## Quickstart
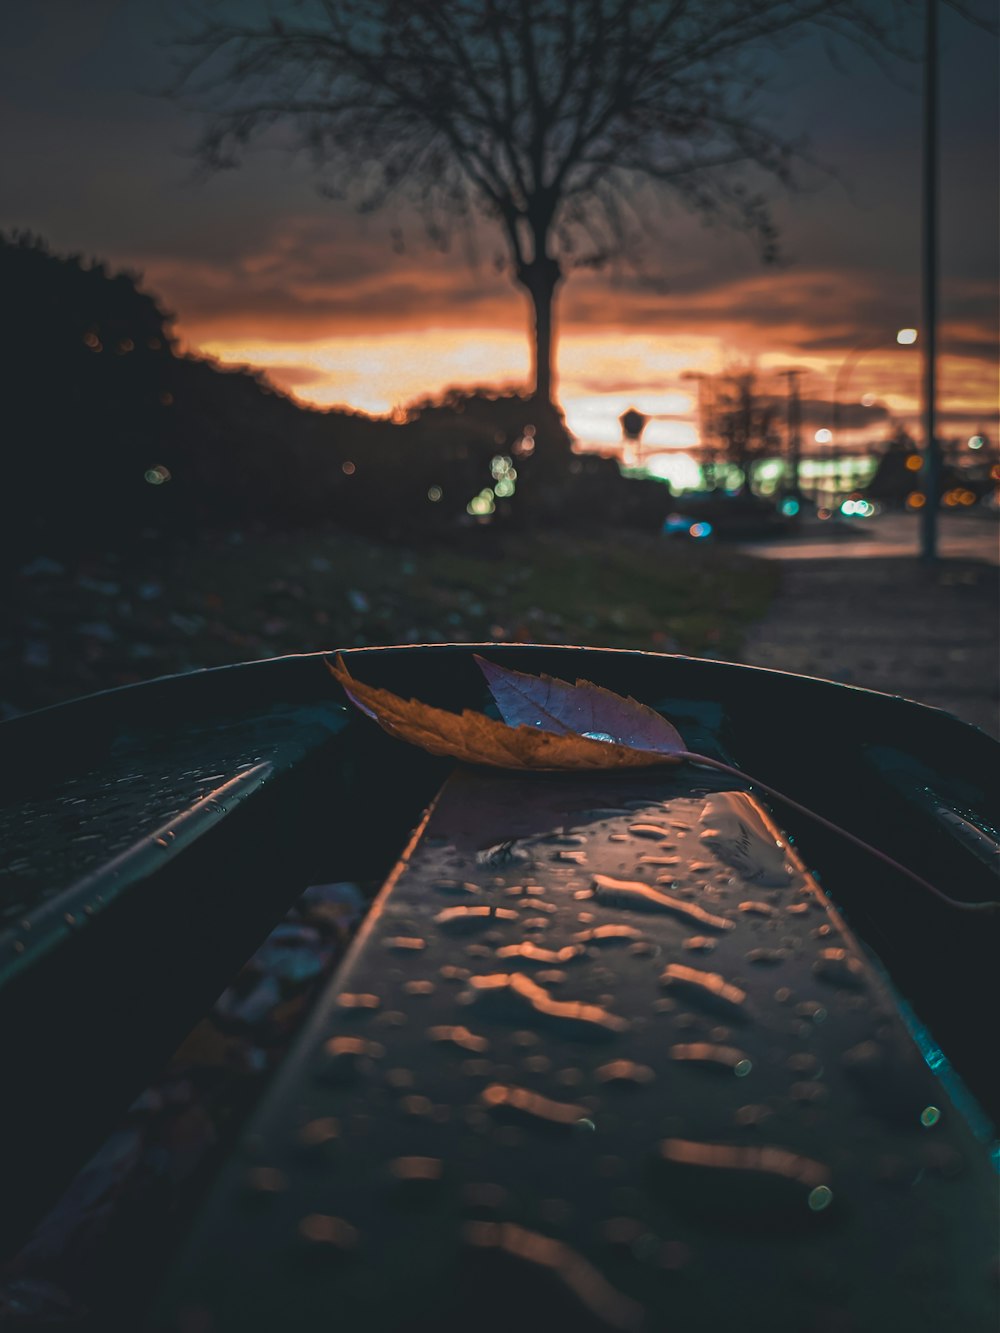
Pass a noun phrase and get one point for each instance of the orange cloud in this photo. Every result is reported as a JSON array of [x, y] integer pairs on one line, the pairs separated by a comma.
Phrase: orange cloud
[[345, 319]]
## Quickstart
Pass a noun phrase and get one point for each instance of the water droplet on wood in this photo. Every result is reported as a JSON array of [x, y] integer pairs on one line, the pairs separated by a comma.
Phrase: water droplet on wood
[[358, 1004], [463, 920], [602, 936], [625, 1074], [725, 1059], [522, 1106], [752, 1187], [840, 968], [766, 957], [459, 1037], [575, 1280], [514, 997], [635, 896], [534, 953], [320, 1233], [643, 830], [707, 990]]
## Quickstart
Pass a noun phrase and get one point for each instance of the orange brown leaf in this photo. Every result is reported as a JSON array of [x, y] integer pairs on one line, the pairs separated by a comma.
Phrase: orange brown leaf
[[475, 738]]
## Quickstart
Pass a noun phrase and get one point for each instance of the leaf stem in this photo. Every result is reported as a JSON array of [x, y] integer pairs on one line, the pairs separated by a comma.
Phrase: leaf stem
[[841, 832]]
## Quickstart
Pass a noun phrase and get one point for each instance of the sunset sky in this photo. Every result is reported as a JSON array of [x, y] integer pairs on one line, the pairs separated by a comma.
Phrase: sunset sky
[[260, 269]]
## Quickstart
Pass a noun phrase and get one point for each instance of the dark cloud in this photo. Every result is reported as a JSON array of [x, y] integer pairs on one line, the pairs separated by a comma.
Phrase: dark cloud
[[975, 349], [849, 303], [972, 418], [99, 165], [852, 416], [234, 306]]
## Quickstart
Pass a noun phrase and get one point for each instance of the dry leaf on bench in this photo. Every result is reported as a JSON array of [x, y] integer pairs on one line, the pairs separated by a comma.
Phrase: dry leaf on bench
[[582, 709], [475, 738], [553, 707]]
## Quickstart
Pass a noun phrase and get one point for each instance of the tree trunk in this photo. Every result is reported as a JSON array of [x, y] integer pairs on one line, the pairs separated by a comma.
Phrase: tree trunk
[[540, 279]]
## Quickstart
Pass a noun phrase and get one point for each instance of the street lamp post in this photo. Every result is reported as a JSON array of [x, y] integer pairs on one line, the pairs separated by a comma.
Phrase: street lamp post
[[932, 448]]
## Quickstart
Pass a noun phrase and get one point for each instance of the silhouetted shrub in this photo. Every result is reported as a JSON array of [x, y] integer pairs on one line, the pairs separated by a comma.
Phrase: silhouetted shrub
[[109, 432]]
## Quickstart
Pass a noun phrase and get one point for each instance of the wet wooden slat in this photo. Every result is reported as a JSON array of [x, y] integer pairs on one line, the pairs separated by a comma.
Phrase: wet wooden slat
[[603, 1057]]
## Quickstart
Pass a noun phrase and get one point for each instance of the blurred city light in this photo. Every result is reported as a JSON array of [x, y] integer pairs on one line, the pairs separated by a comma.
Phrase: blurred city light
[[906, 337], [525, 446], [976, 441], [679, 468], [700, 529], [790, 507], [823, 436], [481, 505], [504, 476], [434, 494]]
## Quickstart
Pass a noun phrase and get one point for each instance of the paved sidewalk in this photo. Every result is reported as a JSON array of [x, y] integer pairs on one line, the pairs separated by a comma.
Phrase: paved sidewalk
[[890, 624]]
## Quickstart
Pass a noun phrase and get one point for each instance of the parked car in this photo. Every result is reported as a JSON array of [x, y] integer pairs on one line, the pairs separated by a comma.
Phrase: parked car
[[703, 514]]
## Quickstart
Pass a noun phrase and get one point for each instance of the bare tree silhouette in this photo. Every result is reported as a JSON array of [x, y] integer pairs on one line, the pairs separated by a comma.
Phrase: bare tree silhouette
[[542, 115], [744, 421]]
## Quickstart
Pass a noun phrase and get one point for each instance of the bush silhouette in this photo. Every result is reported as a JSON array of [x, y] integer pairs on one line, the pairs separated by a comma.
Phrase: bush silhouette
[[110, 433]]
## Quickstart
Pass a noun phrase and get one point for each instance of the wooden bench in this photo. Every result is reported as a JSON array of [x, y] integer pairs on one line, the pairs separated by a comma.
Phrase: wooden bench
[[603, 1054]]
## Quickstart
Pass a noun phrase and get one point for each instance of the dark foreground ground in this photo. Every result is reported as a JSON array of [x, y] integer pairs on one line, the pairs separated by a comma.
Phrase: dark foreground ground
[[114, 620], [886, 623]]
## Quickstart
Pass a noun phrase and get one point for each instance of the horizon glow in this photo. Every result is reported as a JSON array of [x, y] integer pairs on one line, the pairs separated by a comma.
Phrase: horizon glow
[[601, 374]]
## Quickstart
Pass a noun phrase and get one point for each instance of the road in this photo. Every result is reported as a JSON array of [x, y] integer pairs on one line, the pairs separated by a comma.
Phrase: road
[[962, 536]]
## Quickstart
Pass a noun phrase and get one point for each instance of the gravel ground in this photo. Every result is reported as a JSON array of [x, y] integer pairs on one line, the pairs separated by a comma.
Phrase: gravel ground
[[890, 624]]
